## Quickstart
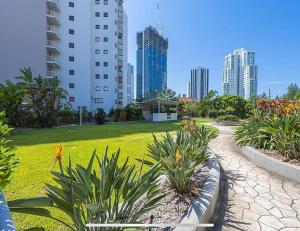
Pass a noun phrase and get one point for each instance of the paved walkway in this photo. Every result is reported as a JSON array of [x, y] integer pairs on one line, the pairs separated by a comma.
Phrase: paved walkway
[[252, 198]]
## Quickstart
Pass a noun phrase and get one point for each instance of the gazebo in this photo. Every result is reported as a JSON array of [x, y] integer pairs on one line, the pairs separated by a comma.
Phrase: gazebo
[[158, 109]]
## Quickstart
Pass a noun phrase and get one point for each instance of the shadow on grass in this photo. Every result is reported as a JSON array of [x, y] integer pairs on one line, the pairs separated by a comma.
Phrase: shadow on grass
[[90, 132]]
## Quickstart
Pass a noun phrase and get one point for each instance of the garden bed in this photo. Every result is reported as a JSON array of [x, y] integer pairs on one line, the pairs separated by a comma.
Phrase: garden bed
[[279, 156], [194, 206], [275, 165]]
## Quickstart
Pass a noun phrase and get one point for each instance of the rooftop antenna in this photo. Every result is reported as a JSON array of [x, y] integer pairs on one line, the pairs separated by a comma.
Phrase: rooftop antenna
[[158, 27]]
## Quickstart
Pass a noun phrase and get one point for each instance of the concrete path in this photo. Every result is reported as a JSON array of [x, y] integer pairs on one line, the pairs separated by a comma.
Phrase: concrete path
[[252, 198]]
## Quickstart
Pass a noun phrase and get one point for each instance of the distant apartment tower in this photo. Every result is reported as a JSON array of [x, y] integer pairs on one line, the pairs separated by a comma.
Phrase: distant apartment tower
[[199, 83], [151, 72], [130, 83], [240, 74], [83, 43]]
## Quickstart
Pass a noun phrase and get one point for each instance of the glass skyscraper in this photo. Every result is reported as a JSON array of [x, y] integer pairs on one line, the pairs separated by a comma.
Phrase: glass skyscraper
[[151, 70]]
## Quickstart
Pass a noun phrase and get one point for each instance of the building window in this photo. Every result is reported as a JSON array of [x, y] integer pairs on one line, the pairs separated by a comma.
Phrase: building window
[[105, 2], [105, 27], [97, 39], [97, 88], [105, 14], [98, 100], [105, 52], [97, 64], [71, 58], [97, 27], [105, 64], [71, 45], [105, 76], [71, 4], [97, 76], [97, 51], [71, 72], [71, 18], [105, 39], [97, 2], [72, 99], [71, 85], [105, 88], [71, 31], [97, 14]]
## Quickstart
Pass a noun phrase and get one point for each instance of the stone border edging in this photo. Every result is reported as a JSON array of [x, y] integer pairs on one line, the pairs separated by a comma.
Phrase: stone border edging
[[278, 167], [203, 207]]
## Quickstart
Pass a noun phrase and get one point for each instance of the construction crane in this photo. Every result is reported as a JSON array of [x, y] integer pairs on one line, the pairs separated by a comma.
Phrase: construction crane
[[158, 27]]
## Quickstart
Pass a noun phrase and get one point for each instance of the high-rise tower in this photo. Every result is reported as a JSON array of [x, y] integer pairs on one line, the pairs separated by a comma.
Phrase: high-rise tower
[[240, 74], [151, 72], [83, 43], [198, 84]]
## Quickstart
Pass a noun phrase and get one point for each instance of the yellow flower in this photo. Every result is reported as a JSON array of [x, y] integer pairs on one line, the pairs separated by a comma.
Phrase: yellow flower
[[178, 157]]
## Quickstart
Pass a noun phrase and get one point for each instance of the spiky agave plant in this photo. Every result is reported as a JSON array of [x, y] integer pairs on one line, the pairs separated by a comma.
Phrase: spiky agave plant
[[109, 194]]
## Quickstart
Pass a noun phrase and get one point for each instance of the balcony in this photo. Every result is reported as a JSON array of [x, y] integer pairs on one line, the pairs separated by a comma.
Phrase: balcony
[[53, 5], [52, 17], [52, 32], [51, 74], [52, 47], [52, 62]]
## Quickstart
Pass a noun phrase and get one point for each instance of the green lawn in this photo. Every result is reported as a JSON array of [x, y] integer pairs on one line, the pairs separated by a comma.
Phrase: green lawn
[[35, 150]]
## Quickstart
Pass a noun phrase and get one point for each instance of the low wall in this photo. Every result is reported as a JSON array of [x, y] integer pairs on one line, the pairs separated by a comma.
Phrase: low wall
[[203, 207], [164, 116], [278, 167]]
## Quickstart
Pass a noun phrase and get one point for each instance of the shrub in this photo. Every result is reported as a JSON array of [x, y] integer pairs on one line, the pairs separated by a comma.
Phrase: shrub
[[111, 194], [116, 115], [8, 160], [123, 115], [188, 125], [227, 118], [212, 113], [274, 125], [179, 156], [100, 116]]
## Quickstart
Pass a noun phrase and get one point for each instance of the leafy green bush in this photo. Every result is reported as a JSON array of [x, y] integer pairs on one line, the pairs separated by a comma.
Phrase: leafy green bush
[[7, 157], [116, 115], [179, 156], [275, 125], [227, 118], [123, 115], [212, 113], [100, 116], [108, 194]]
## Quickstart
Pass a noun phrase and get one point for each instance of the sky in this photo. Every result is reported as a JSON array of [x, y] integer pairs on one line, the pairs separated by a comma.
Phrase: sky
[[202, 32]]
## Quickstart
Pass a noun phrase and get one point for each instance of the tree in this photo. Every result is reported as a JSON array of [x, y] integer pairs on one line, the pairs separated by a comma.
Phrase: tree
[[100, 116], [42, 95], [168, 94], [11, 96], [293, 91]]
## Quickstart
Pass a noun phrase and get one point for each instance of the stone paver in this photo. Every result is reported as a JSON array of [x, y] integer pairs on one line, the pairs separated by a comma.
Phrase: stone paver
[[252, 198]]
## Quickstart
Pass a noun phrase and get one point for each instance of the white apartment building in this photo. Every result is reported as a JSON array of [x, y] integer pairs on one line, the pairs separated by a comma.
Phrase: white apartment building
[[240, 74], [130, 83], [199, 83], [83, 43]]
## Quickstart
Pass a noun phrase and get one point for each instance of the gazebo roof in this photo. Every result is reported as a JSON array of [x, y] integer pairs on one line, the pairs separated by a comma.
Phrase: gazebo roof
[[160, 101]]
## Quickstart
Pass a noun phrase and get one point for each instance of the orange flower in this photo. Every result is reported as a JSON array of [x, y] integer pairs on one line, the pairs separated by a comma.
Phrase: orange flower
[[58, 150], [178, 157]]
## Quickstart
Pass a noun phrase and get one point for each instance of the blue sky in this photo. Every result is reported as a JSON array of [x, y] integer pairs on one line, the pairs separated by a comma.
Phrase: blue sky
[[202, 32]]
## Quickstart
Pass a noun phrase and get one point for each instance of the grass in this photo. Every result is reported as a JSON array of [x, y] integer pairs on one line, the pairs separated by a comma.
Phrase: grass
[[35, 150]]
